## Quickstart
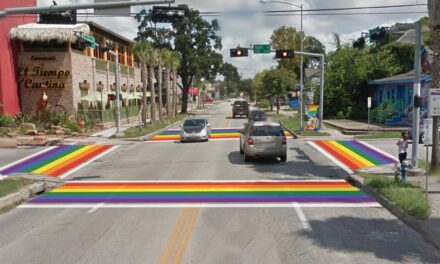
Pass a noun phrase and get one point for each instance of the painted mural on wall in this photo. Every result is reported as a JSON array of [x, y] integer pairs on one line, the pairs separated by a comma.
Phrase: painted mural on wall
[[312, 123]]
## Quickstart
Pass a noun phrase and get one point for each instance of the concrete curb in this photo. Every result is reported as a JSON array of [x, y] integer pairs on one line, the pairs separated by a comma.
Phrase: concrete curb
[[295, 136], [412, 222], [44, 184]]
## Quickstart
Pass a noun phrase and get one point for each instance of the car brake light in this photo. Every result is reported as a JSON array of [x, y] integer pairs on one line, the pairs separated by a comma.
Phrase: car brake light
[[284, 141], [250, 141]]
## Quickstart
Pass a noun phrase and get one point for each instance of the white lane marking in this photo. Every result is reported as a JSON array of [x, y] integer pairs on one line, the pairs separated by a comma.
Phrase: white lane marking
[[302, 217], [71, 143], [325, 153], [378, 150], [3, 177], [26, 158], [93, 209], [88, 162], [201, 205], [206, 181]]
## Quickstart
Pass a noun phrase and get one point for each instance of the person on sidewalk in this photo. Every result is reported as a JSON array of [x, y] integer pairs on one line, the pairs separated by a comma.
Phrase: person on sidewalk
[[402, 144]]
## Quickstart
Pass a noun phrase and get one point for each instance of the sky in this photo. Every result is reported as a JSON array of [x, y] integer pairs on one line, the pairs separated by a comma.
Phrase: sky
[[245, 30]]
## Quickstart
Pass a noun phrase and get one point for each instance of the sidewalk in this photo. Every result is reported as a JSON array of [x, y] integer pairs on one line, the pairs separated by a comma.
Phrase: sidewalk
[[358, 125]]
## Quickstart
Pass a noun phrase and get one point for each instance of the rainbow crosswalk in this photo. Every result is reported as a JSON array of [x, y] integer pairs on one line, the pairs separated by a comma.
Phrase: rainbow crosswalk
[[352, 154], [203, 193], [57, 161], [216, 133]]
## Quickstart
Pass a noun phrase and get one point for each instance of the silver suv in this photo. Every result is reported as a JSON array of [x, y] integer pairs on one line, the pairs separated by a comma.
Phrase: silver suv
[[263, 139]]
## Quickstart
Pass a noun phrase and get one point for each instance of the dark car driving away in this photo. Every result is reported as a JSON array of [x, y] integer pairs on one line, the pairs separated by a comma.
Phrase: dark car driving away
[[257, 115], [240, 107]]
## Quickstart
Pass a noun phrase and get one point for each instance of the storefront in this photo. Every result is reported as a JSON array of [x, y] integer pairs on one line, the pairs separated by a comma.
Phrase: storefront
[[78, 81]]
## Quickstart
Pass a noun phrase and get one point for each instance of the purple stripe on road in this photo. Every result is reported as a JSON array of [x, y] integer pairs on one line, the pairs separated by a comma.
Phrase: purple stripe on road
[[374, 152]]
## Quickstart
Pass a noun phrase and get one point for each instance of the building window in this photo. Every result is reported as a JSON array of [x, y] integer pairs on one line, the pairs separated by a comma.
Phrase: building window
[[51, 46]]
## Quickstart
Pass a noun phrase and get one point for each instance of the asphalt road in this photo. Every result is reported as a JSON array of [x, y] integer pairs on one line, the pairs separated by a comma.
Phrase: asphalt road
[[209, 235]]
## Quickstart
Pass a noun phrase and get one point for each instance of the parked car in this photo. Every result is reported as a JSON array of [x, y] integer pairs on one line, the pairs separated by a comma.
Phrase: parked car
[[240, 107], [195, 129], [263, 139], [257, 115], [421, 135]]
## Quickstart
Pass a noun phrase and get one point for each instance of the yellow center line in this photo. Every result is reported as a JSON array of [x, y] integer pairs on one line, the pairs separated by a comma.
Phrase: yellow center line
[[227, 119], [179, 239], [185, 240]]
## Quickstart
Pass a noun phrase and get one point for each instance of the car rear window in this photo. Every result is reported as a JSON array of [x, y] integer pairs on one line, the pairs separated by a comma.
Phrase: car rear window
[[264, 131], [258, 115], [241, 103]]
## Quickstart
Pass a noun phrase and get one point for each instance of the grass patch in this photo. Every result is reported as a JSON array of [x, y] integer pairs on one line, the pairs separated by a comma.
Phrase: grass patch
[[380, 134], [135, 131], [8, 186], [407, 196]]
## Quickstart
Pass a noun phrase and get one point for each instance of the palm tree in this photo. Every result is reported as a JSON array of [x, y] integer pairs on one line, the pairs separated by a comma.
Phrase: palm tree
[[151, 59], [159, 61], [141, 49], [174, 66], [166, 57]]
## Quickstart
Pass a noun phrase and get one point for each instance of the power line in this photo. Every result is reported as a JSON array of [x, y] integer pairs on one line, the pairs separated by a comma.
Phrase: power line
[[318, 9], [338, 14]]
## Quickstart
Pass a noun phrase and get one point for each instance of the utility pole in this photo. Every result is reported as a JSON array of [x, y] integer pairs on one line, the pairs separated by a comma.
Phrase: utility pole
[[416, 94], [118, 92]]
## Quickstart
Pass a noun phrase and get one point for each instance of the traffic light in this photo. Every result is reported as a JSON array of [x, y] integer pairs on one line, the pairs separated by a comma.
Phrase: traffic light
[[359, 43], [238, 52], [284, 54], [168, 14]]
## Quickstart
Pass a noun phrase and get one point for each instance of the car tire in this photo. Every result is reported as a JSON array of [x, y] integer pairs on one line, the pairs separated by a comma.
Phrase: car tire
[[283, 158], [233, 116], [241, 149], [246, 157]]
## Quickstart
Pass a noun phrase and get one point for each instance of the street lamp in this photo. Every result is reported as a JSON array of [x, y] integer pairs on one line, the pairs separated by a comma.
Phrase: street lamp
[[302, 50]]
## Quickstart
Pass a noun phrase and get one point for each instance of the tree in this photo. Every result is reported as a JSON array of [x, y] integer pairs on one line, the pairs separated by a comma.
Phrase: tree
[[231, 77], [434, 18], [159, 79], [247, 87], [197, 42], [290, 38], [152, 55], [174, 66], [277, 82], [141, 50], [167, 60]]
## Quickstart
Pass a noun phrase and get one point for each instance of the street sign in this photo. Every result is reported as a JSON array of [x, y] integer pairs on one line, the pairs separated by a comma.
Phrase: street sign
[[369, 102], [119, 11], [261, 48], [427, 131], [434, 102]]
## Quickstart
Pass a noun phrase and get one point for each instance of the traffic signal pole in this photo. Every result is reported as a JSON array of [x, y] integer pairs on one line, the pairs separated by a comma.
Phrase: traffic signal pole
[[321, 94], [53, 8]]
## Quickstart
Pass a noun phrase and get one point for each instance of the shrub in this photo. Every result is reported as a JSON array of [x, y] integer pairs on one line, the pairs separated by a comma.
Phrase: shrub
[[59, 118], [340, 115], [6, 121], [73, 127], [264, 103]]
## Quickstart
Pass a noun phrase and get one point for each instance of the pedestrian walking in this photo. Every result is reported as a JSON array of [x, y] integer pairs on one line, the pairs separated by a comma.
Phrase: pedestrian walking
[[402, 144]]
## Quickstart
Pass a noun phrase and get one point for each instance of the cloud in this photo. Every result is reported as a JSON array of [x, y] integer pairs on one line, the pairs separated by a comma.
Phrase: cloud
[[254, 29]]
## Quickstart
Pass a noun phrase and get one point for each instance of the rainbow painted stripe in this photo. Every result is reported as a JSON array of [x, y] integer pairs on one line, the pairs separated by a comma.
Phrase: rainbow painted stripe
[[225, 192], [312, 109], [57, 161], [354, 154], [216, 133]]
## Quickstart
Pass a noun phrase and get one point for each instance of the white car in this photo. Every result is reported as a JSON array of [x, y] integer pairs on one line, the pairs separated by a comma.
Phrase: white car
[[195, 129]]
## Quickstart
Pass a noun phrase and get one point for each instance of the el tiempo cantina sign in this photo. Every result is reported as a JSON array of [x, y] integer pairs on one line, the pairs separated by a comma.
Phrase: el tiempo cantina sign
[[37, 76]]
